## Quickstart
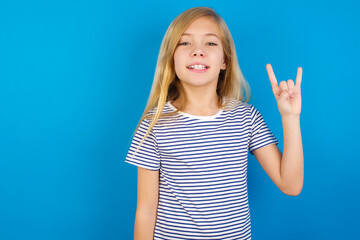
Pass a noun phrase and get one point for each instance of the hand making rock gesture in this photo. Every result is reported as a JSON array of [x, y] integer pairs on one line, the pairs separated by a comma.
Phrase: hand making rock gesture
[[288, 95]]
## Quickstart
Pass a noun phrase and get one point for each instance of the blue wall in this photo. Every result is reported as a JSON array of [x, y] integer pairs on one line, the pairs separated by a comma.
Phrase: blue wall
[[74, 80]]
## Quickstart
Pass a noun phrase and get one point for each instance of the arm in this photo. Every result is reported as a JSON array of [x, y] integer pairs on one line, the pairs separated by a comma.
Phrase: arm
[[147, 202], [285, 170]]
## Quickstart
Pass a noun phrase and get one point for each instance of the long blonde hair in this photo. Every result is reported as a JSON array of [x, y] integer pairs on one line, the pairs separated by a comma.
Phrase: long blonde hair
[[166, 86]]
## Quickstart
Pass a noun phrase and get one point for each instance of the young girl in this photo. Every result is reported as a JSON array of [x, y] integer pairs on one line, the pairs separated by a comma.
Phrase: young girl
[[192, 141]]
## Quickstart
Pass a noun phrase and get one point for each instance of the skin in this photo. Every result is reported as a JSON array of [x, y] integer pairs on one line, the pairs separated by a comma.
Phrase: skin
[[285, 169], [200, 88]]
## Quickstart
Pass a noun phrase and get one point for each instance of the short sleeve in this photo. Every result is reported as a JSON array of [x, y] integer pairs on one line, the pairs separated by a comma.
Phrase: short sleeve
[[147, 156], [261, 135]]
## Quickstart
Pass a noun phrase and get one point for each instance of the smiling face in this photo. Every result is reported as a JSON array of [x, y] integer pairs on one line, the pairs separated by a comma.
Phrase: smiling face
[[200, 45]]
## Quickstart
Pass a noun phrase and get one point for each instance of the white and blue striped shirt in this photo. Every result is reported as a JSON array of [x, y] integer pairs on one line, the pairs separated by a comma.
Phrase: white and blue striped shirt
[[202, 162]]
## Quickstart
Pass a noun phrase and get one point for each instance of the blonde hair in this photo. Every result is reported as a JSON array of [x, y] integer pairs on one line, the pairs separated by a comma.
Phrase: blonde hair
[[166, 86]]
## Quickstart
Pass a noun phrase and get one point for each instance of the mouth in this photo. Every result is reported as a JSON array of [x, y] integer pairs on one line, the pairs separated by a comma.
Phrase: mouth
[[198, 66], [198, 70]]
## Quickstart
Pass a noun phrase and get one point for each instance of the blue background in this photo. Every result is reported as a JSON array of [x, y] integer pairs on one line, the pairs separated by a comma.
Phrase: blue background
[[74, 80]]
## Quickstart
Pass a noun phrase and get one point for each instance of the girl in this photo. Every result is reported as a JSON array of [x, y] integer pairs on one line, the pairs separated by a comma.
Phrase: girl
[[192, 141]]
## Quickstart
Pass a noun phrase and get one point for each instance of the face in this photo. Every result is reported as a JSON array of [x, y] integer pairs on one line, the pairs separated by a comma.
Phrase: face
[[200, 45]]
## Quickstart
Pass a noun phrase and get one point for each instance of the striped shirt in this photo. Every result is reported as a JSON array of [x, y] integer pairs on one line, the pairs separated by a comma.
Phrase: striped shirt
[[202, 163]]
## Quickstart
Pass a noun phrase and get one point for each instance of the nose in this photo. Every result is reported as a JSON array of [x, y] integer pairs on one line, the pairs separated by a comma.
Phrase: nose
[[197, 51]]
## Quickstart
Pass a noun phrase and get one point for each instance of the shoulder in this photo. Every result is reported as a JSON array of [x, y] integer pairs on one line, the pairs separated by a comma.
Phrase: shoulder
[[166, 117], [236, 105], [242, 109]]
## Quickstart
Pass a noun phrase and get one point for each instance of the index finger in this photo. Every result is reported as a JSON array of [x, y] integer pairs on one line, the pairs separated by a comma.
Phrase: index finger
[[273, 81]]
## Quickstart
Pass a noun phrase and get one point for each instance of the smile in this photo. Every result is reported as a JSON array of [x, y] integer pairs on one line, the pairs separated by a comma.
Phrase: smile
[[201, 70], [198, 68]]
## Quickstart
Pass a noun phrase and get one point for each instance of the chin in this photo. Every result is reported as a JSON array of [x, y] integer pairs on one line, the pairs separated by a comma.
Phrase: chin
[[198, 83]]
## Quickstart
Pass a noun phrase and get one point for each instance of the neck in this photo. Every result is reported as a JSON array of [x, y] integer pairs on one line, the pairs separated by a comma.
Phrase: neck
[[199, 104]]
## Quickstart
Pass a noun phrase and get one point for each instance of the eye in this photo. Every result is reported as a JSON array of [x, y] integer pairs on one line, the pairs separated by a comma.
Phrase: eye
[[186, 43]]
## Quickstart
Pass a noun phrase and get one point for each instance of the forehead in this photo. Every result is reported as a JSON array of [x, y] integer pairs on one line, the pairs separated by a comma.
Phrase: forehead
[[202, 26]]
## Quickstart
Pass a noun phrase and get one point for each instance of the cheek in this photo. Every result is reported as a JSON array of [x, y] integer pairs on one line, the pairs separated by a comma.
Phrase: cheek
[[178, 61], [221, 56], [217, 57]]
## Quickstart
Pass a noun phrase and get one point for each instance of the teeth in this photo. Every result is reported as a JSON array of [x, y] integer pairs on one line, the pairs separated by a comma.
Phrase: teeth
[[197, 67]]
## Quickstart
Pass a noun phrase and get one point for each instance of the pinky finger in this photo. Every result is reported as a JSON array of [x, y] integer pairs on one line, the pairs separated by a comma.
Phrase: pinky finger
[[298, 77]]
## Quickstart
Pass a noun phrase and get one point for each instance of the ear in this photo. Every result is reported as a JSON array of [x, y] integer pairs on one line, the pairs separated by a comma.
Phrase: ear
[[223, 66]]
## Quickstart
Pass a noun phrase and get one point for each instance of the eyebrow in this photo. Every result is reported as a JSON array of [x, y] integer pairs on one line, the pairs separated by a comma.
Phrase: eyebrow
[[207, 34]]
